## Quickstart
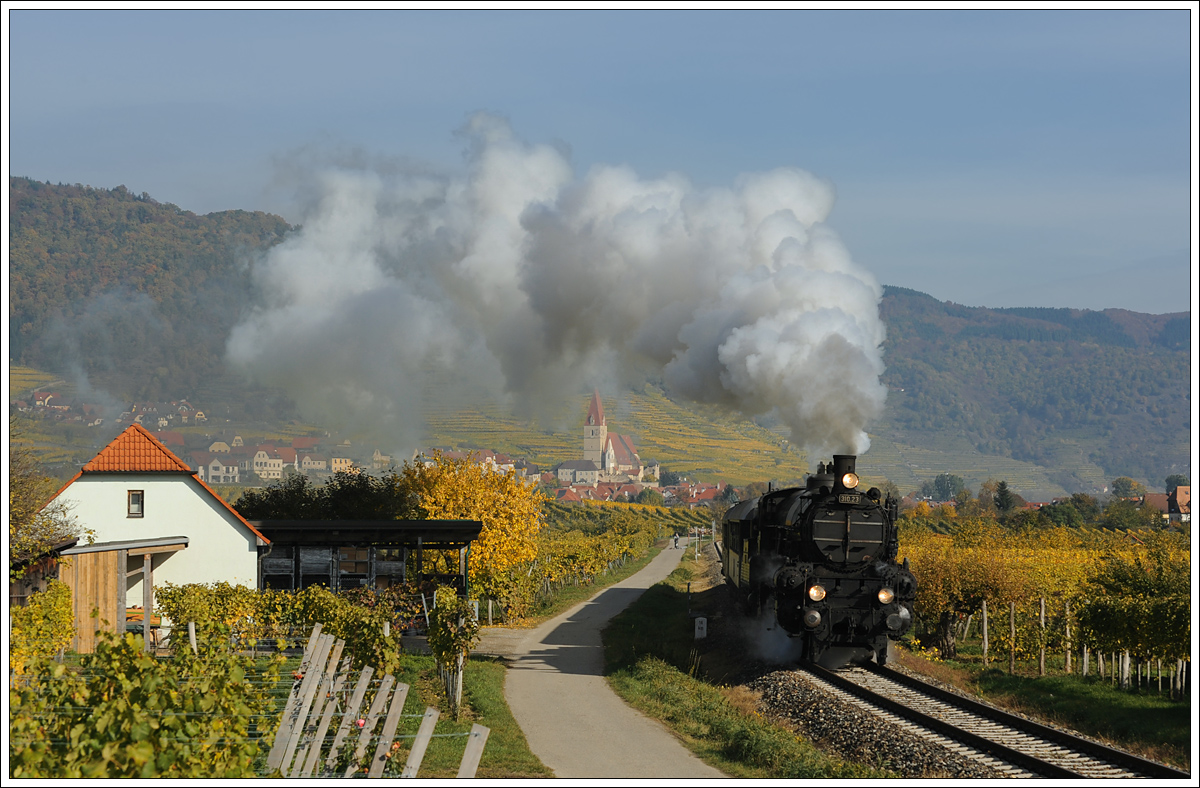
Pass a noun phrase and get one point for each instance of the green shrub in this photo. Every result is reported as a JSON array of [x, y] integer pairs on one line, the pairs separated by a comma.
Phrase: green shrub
[[127, 714], [44, 626]]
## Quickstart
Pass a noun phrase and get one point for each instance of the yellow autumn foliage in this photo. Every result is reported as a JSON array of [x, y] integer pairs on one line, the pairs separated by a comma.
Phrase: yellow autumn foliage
[[509, 508]]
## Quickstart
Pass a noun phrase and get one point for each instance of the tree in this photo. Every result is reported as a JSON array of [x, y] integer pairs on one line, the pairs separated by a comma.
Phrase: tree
[[1063, 513], [510, 510], [944, 487], [1006, 500], [346, 496], [1124, 515], [669, 478], [650, 497], [35, 526], [754, 490], [1176, 480], [1124, 487]]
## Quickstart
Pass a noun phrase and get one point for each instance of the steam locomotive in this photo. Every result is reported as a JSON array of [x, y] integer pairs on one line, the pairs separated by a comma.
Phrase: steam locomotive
[[824, 556]]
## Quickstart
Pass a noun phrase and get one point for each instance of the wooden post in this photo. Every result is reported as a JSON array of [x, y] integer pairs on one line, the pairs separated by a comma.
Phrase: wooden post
[[147, 598], [122, 589], [474, 751], [420, 743], [1012, 631], [967, 627], [1042, 636], [364, 737], [1125, 669], [388, 734], [489, 611], [314, 752], [349, 715], [1100, 665], [1086, 654], [1067, 648], [313, 716], [192, 636], [1159, 663], [308, 687], [985, 634], [275, 756]]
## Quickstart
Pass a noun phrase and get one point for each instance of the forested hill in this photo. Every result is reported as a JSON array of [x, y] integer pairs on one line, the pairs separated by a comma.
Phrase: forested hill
[[140, 294], [1049, 386]]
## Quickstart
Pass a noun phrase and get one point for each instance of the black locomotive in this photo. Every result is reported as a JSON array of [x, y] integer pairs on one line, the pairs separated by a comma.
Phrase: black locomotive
[[825, 556]]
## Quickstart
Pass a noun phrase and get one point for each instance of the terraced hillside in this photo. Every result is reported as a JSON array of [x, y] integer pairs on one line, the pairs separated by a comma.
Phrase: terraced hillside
[[701, 444], [22, 381]]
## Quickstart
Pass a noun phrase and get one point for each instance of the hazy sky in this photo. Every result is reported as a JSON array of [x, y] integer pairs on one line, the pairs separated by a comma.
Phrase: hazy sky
[[993, 158]]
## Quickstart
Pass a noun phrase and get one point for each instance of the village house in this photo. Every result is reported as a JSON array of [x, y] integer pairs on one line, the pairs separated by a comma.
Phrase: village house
[[150, 512], [578, 472]]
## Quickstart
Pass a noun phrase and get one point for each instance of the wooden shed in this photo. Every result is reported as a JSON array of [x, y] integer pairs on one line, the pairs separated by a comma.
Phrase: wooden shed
[[100, 576]]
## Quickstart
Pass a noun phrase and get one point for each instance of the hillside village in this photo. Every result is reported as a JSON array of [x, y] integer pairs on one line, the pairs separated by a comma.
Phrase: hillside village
[[609, 467]]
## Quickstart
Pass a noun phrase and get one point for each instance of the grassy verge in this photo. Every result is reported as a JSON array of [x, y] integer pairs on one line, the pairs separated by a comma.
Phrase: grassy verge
[[506, 754], [650, 663], [1142, 722]]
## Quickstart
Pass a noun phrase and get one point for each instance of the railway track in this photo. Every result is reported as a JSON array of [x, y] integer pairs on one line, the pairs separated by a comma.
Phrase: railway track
[[1007, 743]]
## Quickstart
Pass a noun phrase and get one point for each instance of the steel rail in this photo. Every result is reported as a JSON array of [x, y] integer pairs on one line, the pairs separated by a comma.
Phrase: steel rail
[[995, 749], [1125, 760]]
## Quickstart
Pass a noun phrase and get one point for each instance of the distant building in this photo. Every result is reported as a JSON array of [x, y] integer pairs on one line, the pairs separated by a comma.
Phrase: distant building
[[1179, 504], [614, 455]]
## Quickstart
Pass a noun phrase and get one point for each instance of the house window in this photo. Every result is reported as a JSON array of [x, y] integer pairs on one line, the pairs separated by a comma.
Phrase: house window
[[136, 503]]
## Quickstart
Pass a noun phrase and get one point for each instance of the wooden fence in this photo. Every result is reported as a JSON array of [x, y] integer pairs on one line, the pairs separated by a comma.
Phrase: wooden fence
[[324, 678]]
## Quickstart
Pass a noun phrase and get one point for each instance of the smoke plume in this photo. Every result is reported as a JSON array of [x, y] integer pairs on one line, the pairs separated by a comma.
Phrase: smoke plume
[[523, 273]]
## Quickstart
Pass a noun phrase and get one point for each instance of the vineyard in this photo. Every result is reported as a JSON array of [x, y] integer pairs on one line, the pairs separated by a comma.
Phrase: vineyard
[[1073, 592]]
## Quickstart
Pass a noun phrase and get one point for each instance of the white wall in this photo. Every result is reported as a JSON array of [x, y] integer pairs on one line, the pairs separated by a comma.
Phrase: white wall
[[220, 548]]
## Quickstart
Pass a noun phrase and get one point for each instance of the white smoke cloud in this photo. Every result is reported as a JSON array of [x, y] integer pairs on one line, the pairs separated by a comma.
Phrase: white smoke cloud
[[524, 273]]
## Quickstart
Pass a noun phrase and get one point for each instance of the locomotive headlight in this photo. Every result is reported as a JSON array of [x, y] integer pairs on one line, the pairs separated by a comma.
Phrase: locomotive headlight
[[886, 595], [816, 593], [850, 480]]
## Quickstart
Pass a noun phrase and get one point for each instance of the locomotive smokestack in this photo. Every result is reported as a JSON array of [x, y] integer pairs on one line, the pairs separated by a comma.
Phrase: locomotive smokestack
[[844, 477]]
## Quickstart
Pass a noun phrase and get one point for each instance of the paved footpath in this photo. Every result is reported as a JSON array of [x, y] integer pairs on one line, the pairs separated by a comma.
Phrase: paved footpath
[[573, 721]]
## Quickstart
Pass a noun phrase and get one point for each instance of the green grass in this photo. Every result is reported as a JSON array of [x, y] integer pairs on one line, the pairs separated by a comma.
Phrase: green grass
[[647, 653], [506, 754], [1141, 721]]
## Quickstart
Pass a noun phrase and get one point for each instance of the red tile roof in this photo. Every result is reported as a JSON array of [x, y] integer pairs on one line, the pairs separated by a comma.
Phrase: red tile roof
[[136, 450]]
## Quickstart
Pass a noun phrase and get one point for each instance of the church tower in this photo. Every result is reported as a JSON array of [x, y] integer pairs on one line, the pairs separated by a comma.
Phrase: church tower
[[595, 432]]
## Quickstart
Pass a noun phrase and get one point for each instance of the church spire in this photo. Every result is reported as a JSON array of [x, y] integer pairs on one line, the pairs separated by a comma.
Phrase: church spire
[[595, 417]]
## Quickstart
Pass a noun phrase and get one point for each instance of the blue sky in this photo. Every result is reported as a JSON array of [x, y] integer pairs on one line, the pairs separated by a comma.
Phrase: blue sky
[[993, 158]]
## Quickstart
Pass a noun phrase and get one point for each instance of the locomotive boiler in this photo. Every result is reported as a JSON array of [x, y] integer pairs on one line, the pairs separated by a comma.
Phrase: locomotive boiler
[[823, 558]]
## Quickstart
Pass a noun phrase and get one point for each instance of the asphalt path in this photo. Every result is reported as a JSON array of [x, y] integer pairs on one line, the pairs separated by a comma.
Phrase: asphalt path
[[571, 718]]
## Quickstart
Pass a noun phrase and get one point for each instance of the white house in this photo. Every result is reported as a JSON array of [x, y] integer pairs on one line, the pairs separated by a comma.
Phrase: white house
[[136, 490]]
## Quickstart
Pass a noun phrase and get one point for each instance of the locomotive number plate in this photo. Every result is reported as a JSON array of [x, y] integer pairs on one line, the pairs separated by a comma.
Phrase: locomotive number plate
[[843, 498]]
